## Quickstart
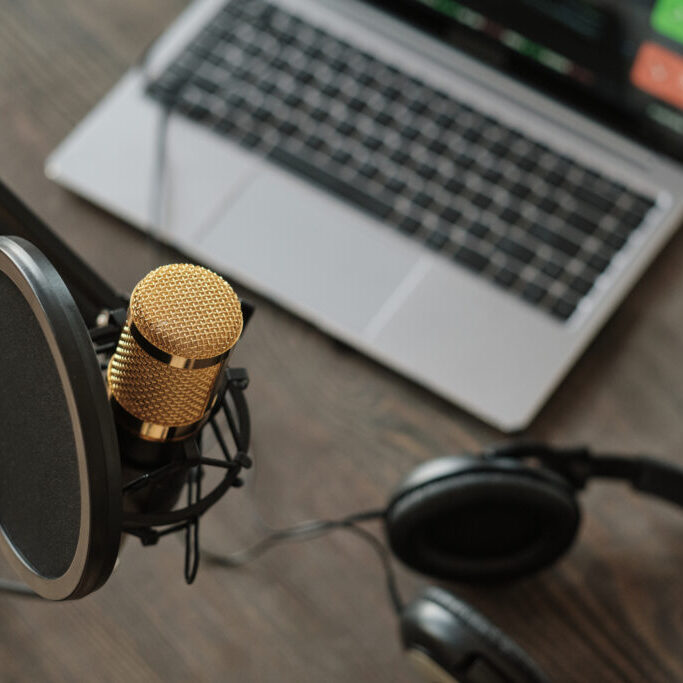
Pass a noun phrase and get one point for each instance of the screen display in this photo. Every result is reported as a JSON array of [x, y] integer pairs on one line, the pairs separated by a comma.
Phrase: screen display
[[620, 61]]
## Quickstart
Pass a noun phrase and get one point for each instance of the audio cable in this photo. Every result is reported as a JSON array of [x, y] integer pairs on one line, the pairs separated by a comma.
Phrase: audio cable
[[308, 531], [9, 587]]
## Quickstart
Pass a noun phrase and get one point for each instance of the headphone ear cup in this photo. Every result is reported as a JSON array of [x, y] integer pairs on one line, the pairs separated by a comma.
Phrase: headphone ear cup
[[466, 518], [449, 640]]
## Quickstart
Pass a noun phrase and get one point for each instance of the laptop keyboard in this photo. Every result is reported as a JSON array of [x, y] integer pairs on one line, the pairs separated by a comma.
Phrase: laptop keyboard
[[485, 195]]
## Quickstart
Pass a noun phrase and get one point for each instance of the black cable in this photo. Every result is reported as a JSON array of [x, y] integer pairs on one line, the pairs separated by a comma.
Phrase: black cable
[[155, 209], [221, 441], [310, 530], [156, 206], [17, 588], [192, 550], [385, 559]]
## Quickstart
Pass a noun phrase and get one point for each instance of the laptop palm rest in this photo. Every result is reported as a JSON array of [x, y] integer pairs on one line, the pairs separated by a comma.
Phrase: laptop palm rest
[[451, 327], [297, 244]]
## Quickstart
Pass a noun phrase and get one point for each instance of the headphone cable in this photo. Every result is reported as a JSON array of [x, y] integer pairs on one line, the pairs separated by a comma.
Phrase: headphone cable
[[306, 531]]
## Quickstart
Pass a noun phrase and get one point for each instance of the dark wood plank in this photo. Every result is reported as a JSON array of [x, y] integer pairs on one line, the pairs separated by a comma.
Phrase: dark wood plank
[[333, 432]]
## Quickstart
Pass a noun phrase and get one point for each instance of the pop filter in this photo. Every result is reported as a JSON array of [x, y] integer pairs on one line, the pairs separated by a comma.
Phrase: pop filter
[[60, 470]]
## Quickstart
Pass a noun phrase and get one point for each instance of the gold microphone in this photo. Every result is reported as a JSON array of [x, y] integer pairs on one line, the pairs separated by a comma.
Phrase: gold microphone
[[182, 322]]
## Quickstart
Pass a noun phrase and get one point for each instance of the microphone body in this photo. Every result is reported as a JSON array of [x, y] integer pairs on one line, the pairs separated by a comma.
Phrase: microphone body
[[181, 324]]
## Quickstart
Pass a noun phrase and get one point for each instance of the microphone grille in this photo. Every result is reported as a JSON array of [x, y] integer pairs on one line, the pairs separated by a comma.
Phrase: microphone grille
[[181, 323], [155, 392], [187, 311]]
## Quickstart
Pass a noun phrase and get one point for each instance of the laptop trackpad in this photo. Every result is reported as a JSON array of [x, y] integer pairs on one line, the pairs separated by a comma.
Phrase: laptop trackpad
[[322, 257]]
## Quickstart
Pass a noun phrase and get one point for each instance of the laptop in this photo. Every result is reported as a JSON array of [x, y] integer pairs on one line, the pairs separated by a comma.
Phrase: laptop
[[464, 191]]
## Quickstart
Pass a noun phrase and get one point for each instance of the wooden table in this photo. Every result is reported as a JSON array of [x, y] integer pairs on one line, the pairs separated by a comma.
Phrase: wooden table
[[333, 432]]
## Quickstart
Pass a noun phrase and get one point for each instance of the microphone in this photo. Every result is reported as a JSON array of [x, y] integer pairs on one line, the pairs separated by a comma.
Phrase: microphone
[[181, 323]]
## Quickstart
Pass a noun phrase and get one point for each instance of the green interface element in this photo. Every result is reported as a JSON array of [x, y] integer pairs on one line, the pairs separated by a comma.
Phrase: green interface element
[[666, 117], [667, 19], [511, 39]]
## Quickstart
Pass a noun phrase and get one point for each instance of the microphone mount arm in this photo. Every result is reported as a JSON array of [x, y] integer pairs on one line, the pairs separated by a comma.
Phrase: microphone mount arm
[[150, 527]]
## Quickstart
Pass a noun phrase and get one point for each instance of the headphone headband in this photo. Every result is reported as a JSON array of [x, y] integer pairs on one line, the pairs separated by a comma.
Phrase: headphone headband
[[578, 465]]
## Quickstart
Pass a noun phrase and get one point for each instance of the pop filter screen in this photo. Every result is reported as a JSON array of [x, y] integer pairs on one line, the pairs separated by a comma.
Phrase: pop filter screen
[[40, 507], [60, 473]]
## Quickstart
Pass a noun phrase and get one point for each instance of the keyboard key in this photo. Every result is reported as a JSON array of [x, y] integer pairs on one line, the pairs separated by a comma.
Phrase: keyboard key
[[423, 199], [427, 171], [368, 170], [583, 223], [357, 104], [563, 308], [320, 114], [520, 190], [472, 135], [506, 277], [581, 285], [587, 195], [549, 204], [640, 204], [527, 163], [516, 249], [395, 185], [463, 161], [482, 201], [409, 224], [437, 147], [383, 118], [391, 93], [454, 186], [479, 229], [451, 215], [533, 292], [555, 239], [400, 157], [554, 177], [346, 128], [341, 156], [510, 216], [614, 240], [319, 176], [552, 270], [437, 240], [287, 128], [630, 219], [315, 142], [598, 261], [250, 139], [470, 258], [492, 176]]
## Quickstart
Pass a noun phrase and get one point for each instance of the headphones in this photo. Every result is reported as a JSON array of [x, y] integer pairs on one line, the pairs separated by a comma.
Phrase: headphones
[[507, 513]]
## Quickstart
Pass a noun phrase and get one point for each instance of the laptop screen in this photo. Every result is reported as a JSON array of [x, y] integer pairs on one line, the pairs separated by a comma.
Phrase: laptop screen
[[620, 61]]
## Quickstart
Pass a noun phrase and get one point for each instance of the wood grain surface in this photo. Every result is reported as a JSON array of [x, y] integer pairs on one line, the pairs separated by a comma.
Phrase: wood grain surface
[[333, 432]]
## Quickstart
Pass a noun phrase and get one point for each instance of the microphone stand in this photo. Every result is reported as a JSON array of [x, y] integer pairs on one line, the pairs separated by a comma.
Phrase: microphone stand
[[152, 485]]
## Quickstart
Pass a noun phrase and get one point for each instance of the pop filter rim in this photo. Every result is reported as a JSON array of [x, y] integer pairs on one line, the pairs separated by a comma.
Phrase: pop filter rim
[[97, 451]]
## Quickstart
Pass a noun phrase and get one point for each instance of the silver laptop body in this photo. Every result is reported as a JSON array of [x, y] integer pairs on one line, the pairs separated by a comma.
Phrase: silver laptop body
[[331, 263]]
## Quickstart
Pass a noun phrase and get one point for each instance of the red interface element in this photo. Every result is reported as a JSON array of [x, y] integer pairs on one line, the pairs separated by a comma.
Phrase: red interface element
[[659, 72]]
